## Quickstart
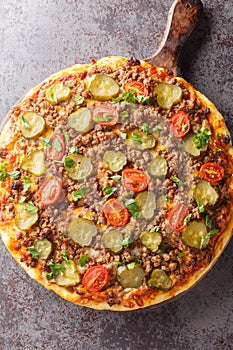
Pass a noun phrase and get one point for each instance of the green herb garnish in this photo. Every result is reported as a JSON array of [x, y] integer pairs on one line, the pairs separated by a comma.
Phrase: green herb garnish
[[74, 149], [180, 255], [33, 251], [177, 181], [123, 135], [66, 136], [108, 191], [131, 265], [47, 143], [30, 207], [205, 239], [131, 97], [78, 194], [200, 206], [162, 248], [26, 184], [146, 128], [155, 229], [165, 197], [136, 138], [202, 138], [158, 127], [69, 163], [117, 263], [22, 199], [187, 219], [124, 114], [57, 145], [116, 178], [25, 123], [184, 127], [3, 172], [15, 175], [83, 260], [79, 100], [133, 207], [55, 268], [208, 222], [64, 257], [127, 240]]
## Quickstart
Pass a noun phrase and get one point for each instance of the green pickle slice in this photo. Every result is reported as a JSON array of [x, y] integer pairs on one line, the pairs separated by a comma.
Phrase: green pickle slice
[[34, 162], [147, 204], [140, 140], [24, 218], [194, 234], [159, 280], [168, 95], [78, 166], [31, 125], [43, 248], [113, 241], [70, 276], [82, 231], [157, 167], [205, 193], [115, 160], [132, 278], [103, 87], [81, 120], [151, 240], [58, 92]]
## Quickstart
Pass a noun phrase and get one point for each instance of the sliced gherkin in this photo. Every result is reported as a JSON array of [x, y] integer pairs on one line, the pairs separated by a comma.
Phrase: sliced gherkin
[[168, 95], [81, 120], [43, 248], [103, 87], [159, 280], [70, 276], [132, 278], [34, 162], [205, 193], [24, 216], [194, 234], [115, 160], [58, 92], [32, 125], [157, 167], [151, 240], [78, 166], [82, 231], [140, 140], [113, 241], [147, 204]]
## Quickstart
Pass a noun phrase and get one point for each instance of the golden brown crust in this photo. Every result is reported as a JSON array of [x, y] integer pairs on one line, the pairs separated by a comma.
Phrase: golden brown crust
[[131, 299]]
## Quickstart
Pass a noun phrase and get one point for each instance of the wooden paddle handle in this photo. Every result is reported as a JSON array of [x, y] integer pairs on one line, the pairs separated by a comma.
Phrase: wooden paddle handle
[[182, 18]]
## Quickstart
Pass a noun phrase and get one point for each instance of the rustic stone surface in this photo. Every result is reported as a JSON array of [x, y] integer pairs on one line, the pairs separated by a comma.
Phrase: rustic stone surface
[[40, 37]]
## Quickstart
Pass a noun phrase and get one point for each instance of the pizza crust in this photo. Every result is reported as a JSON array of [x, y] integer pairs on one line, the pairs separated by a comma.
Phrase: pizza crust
[[156, 299]]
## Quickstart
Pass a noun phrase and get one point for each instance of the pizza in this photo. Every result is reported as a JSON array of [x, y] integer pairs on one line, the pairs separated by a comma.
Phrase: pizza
[[116, 184]]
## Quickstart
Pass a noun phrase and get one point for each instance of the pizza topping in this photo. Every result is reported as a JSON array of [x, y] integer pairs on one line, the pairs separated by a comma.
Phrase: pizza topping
[[82, 231], [133, 207], [146, 204], [34, 162], [115, 160], [180, 124], [151, 240], [134, 180], [55, 147], [205, 194], [43, 248], [58, 92], [212, 172], [141, 140], [95, 278], [194, 233], [205, 239], [157, 167], [176, 217], [113, 241], [32, 125], [115, 212], [81, 120], [139, 87], [202, 138], [78, 166], [131, 278], [69, 276], [159, 280], [103, 87], [78, 194], [105, 115], [168, 95], [25, 215], [50, 192], [108, 191], [190, 146]]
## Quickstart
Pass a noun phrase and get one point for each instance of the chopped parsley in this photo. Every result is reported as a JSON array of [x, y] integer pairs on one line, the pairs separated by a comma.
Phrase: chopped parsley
[[30, 207], [162, 248], [26, 183], [79, 100], [155, 229], [180, 255], [131, 265], [133, 207], [177, 181], [3, 172], [106, 117], [108, 191], [187, 219], [146, 128], [66, 136], [127, 241], [57, 145], [83, 260], [116, 178], [78, 194], [69, 162], [55, 268], [117, 263], [165, 197], [200, 206], [47, 143], [123, 135], [202, 138], [136, 138], [205, 239], [74, 149], [131, 97], [22, 199], [14, 174], [158, 127], [124, 114], [64, 257], [25, 123], [33, 251], [184, 127], [208, 222]]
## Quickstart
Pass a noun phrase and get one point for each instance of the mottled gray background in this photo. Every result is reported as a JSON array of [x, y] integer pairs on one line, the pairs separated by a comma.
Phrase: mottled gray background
[[38, 38]]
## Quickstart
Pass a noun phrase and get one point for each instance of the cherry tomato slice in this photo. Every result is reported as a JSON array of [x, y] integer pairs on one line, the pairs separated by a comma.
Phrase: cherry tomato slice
[[134, 180], [176, 217], [66, 77], [105, 115], [95, 278], [57, 151], [140, 88], [180, 124], [212, 172], [115, 212], [50, 192]]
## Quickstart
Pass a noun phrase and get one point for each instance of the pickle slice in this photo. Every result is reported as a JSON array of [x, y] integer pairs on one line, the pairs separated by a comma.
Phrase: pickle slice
[[205, 193], [70, 276], [31, 125], [24, 217], [194, 234], [103, 87], [159, 280], [115, 160], [58, 92], [80, 120], [34, 162], [147, 203], [113, 241], [168, 95], [132, 278], [151, 240], [78, 166], [82, 231], [140, 140], [43, 248], [157, 167]]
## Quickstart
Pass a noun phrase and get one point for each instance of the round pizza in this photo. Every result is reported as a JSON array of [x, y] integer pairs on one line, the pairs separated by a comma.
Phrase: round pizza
[[116, 184]]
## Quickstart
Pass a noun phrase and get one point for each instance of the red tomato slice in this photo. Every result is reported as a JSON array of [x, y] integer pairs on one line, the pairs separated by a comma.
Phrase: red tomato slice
[[105, 115], [66, 77], [95, 278], [50, 192], [58, 147], [134, 180], [212, 172], [140, 88], [180, 124], [115, 212], [176, 217]]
